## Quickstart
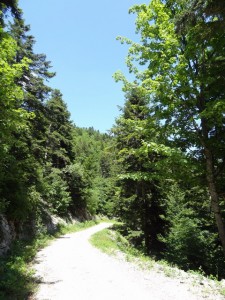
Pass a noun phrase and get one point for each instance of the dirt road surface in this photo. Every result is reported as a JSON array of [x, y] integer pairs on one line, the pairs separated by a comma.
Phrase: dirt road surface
[[71, 269]]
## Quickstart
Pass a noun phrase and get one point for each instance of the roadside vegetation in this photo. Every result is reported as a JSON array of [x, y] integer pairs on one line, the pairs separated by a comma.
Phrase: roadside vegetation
[[160, 170], [111, 242], [17, 278]]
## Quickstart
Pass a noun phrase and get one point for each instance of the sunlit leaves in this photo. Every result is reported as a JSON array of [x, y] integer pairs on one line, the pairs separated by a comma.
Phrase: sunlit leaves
[[12, 116]]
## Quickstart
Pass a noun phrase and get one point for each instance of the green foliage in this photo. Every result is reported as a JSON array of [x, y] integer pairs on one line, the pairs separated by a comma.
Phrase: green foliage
[[109, 241], [59, 132], [93, 187], [138, 201], [163, 159], [78, 226], [19, 169], [181, 141], [191, 240], [38, 170], [57, 193], [17, 280], [112, 242], [13, 118], [11, 5]]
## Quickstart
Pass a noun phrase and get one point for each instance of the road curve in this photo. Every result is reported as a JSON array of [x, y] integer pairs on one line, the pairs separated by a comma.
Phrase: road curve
[[71, 269]]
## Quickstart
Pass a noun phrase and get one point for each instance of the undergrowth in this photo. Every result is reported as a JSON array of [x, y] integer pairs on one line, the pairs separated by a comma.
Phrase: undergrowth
[[17, 279], [112, 242]]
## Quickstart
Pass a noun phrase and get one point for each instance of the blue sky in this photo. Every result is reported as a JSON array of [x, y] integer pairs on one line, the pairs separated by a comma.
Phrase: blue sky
[[79, 38]]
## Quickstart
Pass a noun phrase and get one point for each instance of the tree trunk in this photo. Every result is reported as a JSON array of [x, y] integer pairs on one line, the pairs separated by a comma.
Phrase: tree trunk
[[145, 219], [211, 182], [214, 196]]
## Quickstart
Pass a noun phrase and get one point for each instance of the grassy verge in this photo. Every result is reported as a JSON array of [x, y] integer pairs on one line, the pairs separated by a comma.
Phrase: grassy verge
[[64, 229], [113, 243], [17, 279]]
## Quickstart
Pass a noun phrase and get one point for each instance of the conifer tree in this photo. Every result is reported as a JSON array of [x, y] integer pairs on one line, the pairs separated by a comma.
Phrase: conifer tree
[[59, 133], [139, 199], [182, 47], [36, 92], [13, 121]]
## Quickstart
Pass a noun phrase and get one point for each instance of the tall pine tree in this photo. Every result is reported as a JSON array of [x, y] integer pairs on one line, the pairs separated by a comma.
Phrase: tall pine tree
[[139, 198]]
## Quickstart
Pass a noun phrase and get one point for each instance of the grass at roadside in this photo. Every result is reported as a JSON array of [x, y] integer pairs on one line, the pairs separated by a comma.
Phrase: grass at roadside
[[104, 242], [17, 279], [78, 226], [113, 243]]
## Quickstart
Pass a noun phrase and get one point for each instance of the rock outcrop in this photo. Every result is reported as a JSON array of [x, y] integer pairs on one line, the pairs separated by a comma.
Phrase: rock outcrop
[[11, 230], [7, 234]]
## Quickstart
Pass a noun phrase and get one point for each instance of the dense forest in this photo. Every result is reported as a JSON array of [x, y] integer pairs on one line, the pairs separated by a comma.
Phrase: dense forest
[[161, 168], [47, 164]]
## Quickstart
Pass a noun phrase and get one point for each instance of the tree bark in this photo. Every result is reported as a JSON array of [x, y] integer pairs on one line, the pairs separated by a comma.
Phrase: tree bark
[[211, 182], [214, 196]]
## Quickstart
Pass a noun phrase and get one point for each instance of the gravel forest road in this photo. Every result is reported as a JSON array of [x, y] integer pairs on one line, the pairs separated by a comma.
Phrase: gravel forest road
[[71, 269]]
